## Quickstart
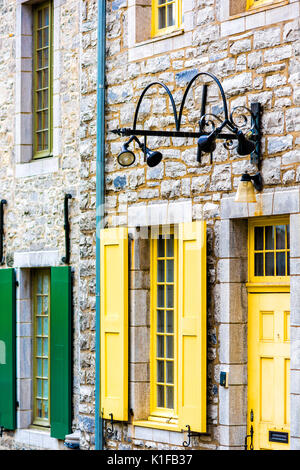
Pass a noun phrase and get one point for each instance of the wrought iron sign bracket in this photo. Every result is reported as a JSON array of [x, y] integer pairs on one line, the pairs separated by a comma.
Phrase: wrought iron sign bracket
[[66, 259], [189, 434], [110, 431], [2, 203], [237, 129]]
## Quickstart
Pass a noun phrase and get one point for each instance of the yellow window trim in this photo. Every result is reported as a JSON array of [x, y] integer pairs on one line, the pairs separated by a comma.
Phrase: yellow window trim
[[155, 411], [155, 31], [264, 282]]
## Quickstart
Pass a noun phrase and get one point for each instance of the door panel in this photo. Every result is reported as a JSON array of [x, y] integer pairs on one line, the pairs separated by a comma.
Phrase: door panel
[[269, 369]]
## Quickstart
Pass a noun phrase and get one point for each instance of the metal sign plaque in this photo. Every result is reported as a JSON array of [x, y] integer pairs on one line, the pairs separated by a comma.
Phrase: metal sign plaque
[[277, 436]]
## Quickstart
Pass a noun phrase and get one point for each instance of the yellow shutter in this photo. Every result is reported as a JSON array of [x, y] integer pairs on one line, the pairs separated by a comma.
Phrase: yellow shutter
[[192, 325], [114, 323]]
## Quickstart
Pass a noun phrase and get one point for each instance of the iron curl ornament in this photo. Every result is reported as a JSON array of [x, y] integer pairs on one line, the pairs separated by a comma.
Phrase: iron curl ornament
[[240, 130]]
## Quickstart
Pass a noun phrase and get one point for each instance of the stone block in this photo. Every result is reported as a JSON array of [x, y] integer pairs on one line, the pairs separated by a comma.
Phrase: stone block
[[233, 406], [232, 436], [294, 235], [233, 343], [286, 202]]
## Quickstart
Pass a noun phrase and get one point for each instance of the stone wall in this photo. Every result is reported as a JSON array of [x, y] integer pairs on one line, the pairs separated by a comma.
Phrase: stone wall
[[34, 214], [256, 57]]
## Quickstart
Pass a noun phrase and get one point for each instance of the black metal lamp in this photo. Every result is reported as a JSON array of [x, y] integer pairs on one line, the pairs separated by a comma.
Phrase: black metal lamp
[[245, 192], [245, 146], [153, 157], [126, 157]]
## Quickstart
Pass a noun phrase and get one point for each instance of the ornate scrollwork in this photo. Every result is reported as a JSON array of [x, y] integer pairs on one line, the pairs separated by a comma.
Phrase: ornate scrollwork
[[247, 121]]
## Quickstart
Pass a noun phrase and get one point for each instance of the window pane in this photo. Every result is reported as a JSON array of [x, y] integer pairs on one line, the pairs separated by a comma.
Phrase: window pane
[[45, 347], [160, 296], [46, 37], [259, 264], [160, 346], [160, 321], [280, 237], [269, 234], [39, 368], [45, 388], [170, 270], [288, 236], [160, 371], [259, 238], [288, 264], [46, 16], [280, 264], [39, 346], [45, 326], [171, 14], [46, 409], [39, 325], [170, 297], [269, 260], [160, 396], [160, 271], [170, 347], [39, 387], [170, 247], [170, 372], [45, 368], [161, 247], [40, 59], [170, 397], [170, 321], [39, 408], [161, 17]]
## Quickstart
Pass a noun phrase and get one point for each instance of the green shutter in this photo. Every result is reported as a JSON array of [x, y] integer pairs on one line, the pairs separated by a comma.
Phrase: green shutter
[[61, 352], [7, 348]]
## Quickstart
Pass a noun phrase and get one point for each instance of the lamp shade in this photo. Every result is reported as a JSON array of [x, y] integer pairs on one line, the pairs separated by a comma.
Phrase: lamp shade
[[126, 157], [245, 192]]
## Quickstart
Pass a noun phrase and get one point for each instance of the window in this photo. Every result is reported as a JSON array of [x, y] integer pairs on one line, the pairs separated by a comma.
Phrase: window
[[166, 16], [42, 80], [164, 326], [177, 343], [257, 3], [41, 303], [270, 250]]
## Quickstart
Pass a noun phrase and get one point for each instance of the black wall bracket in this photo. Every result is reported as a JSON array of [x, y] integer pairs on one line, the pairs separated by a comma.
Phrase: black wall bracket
[[2, 202], [189, 434], [66, 259]]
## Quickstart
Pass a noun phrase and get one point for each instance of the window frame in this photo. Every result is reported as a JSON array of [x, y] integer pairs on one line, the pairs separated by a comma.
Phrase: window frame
[[48, 151], [158, 414], [40, 422], [270, 280], [155, 31]]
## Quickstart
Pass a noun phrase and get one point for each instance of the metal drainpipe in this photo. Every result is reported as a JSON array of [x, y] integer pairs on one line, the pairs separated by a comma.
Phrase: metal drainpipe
[[100, 173]]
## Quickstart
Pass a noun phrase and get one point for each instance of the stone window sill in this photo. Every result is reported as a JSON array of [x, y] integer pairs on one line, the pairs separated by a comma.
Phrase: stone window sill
[[259, 9], [174, 33], [157, 425], [41, 166]]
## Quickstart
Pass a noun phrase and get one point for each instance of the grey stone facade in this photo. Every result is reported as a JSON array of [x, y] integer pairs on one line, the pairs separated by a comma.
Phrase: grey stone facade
[[256, 56]]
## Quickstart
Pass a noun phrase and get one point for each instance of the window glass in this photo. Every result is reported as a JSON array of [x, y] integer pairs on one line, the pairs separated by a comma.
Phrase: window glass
[[42, 80], [165, 321], [272, 250], [40, 290]]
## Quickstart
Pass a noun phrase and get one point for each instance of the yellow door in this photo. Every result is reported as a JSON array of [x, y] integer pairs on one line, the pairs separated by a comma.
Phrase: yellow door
[[269, 370]]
